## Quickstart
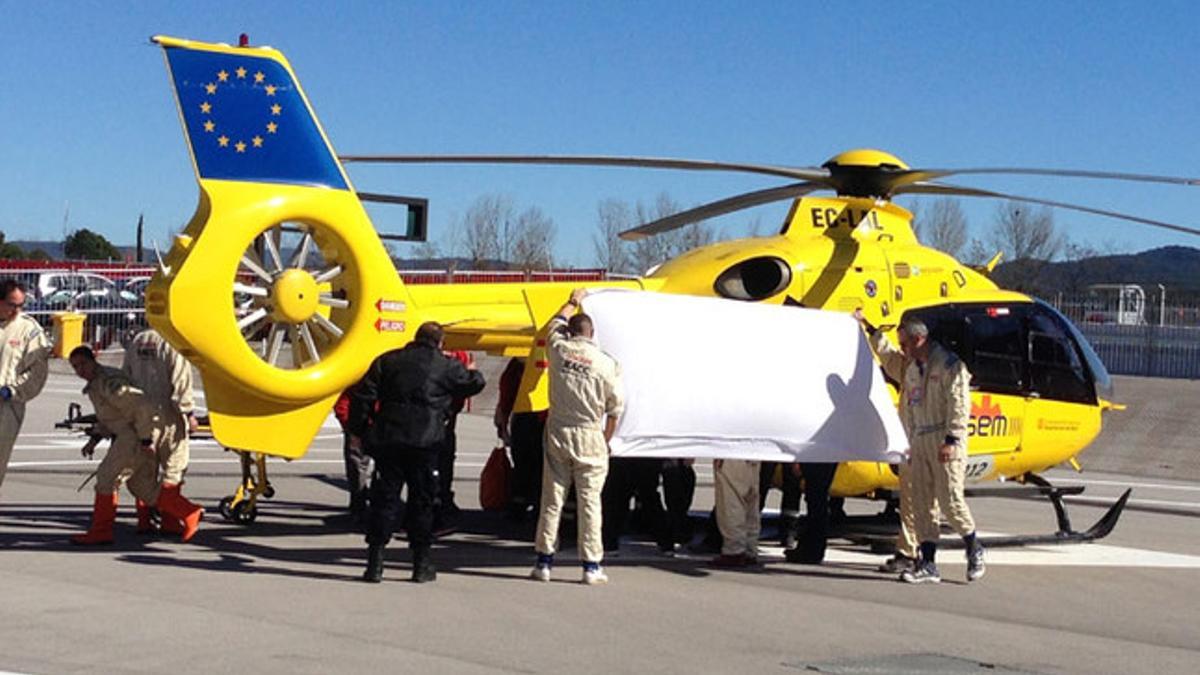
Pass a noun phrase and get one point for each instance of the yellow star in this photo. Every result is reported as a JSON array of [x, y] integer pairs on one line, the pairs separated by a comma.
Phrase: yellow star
[[241, 147], [223, 76], [209, 126], [241, 73], [223, 141], [270, 90], [275, 109], [210, 88], [259, 77], [257, 141], [271, 127], [206, 107]]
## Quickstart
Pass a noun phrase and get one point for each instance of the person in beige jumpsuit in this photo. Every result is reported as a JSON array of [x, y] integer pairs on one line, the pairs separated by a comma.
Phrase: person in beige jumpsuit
[[162, 374], [735, 488], [585, 402], [935, 406], [24, 350], [148, 436]]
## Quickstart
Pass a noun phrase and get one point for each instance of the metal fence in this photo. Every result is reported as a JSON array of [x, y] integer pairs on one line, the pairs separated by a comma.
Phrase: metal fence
[[111, 297], [1138, 333]]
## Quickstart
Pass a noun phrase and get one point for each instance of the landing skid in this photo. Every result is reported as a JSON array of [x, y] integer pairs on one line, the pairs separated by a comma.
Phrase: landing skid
[[879, 531]]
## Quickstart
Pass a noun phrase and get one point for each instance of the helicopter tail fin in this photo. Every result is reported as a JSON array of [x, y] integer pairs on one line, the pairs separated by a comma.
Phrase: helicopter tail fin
[[246, 118], [276, 329]]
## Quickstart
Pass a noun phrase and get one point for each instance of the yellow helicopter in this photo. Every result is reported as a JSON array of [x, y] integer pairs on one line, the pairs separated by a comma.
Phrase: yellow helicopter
[[281, 252]]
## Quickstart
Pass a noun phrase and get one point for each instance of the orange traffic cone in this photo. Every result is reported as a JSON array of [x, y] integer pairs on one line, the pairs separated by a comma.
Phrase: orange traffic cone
[[104, 512], [172, 504]]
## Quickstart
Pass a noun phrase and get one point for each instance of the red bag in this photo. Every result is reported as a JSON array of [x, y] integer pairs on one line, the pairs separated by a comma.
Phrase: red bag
[[494, 481]]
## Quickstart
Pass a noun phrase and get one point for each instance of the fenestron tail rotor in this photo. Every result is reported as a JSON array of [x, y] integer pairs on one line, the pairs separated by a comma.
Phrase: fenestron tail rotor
[[288, 305]]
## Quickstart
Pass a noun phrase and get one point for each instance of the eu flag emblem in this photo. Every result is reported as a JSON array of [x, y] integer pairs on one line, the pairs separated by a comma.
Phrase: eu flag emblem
[[246, 120]]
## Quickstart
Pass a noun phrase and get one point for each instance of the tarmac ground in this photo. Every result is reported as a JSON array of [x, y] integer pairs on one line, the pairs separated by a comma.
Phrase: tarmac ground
[[283, 594]]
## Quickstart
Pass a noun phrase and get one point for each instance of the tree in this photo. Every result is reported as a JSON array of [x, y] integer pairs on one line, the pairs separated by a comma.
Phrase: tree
[[618, 256], [483, 230], [83, 244], [427, 250], [1024, 233], [655, 250], [611, 253], [532, 241], [9, 251], [944, 228], [492, 233], [1029, 241], [38, 254]]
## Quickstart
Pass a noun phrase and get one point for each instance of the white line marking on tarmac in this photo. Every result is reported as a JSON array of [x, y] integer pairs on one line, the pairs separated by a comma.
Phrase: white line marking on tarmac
[[1068, 555], [1159, 486], [78, 462], [1093, 501]]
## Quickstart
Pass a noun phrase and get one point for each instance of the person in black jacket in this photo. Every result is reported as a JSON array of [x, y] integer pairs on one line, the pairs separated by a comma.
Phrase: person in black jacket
[[415, 388]]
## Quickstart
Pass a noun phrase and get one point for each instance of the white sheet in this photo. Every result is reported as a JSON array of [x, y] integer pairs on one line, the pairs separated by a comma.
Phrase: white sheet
[[705, 377]]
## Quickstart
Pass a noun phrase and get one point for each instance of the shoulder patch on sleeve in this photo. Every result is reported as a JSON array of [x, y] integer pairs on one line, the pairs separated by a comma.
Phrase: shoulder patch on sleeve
[[951, 359]]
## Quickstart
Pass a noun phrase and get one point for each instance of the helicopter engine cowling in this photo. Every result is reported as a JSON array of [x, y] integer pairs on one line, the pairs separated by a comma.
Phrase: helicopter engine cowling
[[754, 279]]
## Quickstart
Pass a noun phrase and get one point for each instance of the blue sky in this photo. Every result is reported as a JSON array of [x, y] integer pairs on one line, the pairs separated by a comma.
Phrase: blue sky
[[87, 118]]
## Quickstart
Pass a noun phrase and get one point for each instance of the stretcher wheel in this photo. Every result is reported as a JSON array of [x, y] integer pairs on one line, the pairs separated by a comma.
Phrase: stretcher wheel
[[226, 508], [245, 513]]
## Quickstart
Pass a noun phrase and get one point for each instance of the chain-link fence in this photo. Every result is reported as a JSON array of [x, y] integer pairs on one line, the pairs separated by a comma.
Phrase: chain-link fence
[[1136, 332]]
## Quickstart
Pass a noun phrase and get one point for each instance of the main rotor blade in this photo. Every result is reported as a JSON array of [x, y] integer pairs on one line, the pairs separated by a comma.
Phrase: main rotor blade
[[802, 173], [954, 190], [720, 208], [921, 175]]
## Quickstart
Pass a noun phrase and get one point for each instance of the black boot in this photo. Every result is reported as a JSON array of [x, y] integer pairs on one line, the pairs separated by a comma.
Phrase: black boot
[[374, 573], [423, 569], [360, 513], [789, 531]]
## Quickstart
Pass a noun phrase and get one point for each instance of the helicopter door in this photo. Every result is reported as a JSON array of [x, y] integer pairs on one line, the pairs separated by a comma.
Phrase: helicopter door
[[991, 340], [995, 349]]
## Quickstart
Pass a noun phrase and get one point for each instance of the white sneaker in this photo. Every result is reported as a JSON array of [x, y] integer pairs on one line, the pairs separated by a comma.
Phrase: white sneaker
[[595, 577], [540, 573]]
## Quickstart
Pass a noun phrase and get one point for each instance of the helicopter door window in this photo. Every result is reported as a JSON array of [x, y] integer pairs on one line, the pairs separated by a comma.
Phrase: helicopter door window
[[995, 354], [1055, 369]]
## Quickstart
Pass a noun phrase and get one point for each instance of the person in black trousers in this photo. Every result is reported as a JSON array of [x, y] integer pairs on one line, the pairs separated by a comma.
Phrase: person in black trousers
[[818, 477], [415, 388]]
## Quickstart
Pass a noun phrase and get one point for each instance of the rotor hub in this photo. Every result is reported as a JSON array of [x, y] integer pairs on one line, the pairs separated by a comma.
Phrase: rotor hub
[[295, 296], [865, 173]]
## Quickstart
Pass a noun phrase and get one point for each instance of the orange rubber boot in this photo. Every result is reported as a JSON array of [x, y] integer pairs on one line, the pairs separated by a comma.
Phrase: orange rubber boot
[[169, 525], [172, 504], [104, 512], [145, 524]]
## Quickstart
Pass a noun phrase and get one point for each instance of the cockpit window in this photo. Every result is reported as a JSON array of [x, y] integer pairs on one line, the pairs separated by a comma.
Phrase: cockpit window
[[1019, 348], [1057, 347]]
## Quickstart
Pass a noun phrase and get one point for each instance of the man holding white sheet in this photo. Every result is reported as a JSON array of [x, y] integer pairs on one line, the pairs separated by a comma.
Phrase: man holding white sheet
[[585, 402]]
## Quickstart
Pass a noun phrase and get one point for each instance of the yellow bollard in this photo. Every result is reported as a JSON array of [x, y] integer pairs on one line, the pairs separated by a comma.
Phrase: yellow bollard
[[68, 332]]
